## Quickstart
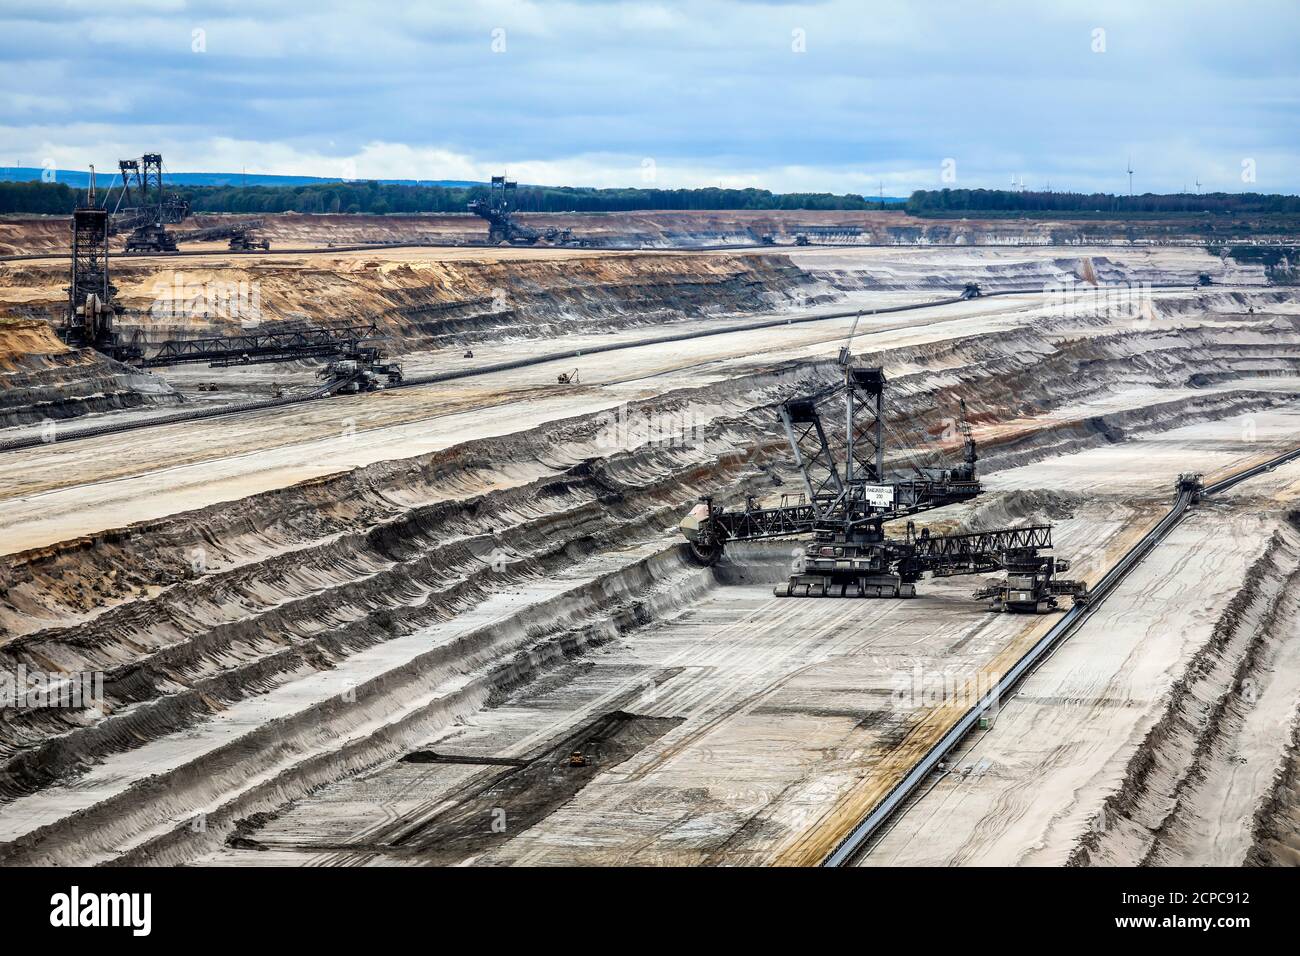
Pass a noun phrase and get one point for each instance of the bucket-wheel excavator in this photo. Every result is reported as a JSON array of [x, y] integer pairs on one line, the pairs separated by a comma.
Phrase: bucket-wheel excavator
[[90, 319], [498, 209], [242, 236], [149, 210], [848, 497]]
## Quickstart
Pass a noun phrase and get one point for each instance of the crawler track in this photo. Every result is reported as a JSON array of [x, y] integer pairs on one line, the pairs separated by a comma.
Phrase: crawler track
[[859, 837]]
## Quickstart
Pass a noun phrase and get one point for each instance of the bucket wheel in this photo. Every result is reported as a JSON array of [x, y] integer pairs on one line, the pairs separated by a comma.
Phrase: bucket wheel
[[705, 554], [705, 547]]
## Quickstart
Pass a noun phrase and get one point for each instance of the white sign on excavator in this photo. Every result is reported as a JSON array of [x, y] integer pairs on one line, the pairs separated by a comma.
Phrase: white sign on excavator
[[878, 496]]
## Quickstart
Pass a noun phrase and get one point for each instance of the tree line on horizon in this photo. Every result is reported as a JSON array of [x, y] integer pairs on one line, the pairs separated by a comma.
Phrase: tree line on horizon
[[381, 199], [945, 202]]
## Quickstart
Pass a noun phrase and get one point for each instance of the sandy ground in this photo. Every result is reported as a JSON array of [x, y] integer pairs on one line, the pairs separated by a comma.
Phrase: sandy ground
[[720, 725], [258, 381], [29, 234], [830, 686], [55, 492], [743, 675], [1028, 790], [890, 266]]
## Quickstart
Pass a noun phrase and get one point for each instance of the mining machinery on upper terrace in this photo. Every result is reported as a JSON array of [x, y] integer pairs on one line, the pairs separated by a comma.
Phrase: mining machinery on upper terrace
[[364, 368], [498, 210], [89, 320], [242, 236], [355, 362], [268, 343], [145, 209], [848, 497], [91, 316], [149, 209]]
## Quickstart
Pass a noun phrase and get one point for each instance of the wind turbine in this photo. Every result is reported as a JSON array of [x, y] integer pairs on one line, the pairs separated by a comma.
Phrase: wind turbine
[[1198, 185], [1130, 177]]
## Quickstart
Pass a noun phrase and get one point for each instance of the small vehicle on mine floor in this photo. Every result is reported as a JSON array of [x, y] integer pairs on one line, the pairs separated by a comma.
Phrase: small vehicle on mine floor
[[247, 242], [362, 370], [1031, 586]]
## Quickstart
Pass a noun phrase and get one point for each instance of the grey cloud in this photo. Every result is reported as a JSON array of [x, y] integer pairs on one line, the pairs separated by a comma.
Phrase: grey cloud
[[886, 89]]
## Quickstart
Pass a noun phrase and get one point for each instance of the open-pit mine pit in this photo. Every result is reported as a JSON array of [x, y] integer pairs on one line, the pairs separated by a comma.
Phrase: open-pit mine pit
[[456, 622]]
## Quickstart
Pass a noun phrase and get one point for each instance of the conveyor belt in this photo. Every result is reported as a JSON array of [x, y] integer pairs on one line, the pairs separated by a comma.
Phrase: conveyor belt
[[612, 247], [94, 431], [109, 428], [859, 837], [193, 415]]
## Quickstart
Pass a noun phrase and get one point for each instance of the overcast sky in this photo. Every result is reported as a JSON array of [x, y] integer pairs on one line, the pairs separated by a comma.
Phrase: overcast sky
[[834, 96]]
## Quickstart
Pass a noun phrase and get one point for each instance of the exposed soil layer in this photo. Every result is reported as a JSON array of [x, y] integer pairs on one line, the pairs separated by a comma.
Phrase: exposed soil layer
[[258, 651], [417, 304], [42, 380], [1097, 272], [44, 234], [433, 299], [1172, 796], [1277, 824], [486, 813], [305, 579], [427, 298], [1160, 732]]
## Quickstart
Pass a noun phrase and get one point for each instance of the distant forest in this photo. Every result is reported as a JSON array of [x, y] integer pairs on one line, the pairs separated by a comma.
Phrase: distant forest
[[379, 199], [985, 203], [37, 197]]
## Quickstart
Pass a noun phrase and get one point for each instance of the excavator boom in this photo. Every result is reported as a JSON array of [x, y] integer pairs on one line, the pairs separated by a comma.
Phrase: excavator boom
[[848, 498]]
